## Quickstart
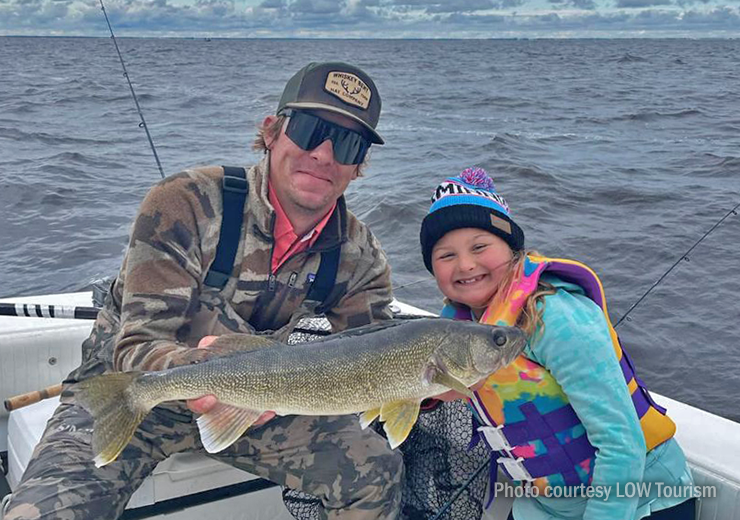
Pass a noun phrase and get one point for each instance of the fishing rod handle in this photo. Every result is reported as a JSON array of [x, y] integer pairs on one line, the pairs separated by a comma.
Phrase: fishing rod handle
[[19, 401]]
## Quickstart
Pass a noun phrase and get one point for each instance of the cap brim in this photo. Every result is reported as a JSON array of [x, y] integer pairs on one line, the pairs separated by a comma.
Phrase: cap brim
[[374, 136]]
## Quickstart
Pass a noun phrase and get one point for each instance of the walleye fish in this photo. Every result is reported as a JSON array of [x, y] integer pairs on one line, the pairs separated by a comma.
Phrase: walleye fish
[[383, 370]]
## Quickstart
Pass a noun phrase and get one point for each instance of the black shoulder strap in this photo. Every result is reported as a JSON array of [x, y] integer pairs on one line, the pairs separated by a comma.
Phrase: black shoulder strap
[[235, 189], [326, 276]]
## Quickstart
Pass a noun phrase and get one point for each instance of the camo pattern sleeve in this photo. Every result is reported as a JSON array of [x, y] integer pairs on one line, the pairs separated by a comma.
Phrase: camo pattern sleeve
[[173, 237], [364, 279]]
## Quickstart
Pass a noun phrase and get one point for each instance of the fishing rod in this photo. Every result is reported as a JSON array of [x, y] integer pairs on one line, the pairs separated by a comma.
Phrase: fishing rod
[[19, 401], [31, 310], [684, 257], [35, 310], [133, 93]]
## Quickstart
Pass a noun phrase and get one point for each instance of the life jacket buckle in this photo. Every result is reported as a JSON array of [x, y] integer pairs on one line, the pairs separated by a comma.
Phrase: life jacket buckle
[[495, 437], [515, 468]]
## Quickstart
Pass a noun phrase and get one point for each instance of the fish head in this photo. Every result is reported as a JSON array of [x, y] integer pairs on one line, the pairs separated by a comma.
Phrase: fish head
[[473, 351], [496, 349]]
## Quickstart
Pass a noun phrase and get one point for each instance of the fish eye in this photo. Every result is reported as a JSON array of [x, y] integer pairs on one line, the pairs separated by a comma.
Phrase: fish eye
[[499, 338]]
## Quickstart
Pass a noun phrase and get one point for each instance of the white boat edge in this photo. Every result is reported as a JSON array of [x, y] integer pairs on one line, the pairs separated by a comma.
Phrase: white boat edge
[[39, 352]]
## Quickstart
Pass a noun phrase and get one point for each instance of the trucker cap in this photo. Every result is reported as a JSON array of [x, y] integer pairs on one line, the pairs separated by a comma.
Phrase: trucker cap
[[337, 87]]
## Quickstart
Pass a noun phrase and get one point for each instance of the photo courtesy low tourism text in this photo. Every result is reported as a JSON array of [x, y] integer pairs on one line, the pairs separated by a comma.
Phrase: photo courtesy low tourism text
[[620, 490]]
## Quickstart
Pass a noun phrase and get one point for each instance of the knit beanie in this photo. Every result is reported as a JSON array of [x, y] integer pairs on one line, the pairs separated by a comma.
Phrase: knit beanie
[[468, 201]]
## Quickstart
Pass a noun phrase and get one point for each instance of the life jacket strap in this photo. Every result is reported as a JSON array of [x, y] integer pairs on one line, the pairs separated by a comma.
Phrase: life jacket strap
[[640, 397], [560, 459]]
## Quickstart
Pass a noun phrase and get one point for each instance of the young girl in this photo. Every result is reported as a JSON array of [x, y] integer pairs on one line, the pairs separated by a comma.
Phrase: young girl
[[569, 418]]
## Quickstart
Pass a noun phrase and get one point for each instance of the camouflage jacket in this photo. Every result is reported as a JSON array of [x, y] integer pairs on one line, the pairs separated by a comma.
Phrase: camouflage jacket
[[158, 307]]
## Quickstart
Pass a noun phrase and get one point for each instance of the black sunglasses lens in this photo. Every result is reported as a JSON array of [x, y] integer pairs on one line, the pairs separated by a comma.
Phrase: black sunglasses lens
[[350, 148], [308, 131], [305, 130]]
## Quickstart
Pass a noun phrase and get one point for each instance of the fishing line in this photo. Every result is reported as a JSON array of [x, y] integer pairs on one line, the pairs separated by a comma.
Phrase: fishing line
[[684, 256], [412, 283], [130, 86]]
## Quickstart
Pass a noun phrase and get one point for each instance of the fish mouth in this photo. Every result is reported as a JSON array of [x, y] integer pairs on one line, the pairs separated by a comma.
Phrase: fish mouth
[[519, 341]]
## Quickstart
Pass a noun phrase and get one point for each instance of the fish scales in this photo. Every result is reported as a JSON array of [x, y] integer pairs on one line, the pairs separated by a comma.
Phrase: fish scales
[[338, 377], [382, 370]]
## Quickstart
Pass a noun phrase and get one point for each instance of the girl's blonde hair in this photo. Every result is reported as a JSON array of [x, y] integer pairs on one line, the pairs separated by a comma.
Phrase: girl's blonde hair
[[530, 319]]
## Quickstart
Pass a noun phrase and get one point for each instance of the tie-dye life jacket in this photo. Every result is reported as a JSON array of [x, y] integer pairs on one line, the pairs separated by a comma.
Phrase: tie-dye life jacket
[[522, 412]]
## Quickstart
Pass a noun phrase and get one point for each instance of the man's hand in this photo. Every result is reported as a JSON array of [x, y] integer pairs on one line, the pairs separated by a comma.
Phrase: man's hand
[[204, 404]]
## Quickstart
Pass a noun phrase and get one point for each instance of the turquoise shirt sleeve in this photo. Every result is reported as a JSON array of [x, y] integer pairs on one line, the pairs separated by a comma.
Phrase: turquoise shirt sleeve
[[576, 348]]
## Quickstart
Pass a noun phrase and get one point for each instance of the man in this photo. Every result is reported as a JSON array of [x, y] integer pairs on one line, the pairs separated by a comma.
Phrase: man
[[170, 297]]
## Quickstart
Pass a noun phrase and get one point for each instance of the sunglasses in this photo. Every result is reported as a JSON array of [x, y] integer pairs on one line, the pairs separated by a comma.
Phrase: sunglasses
[[308, 131]]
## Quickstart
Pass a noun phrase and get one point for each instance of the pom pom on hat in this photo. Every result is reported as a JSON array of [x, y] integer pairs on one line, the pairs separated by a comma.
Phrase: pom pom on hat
[[477, 177], [468, 200]]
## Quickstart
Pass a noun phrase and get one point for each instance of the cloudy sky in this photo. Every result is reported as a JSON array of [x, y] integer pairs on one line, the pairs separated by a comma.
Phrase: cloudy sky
[[376, 18]]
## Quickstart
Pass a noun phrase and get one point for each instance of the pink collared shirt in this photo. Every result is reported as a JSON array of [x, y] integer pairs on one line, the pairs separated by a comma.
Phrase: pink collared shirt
[[287, 243]]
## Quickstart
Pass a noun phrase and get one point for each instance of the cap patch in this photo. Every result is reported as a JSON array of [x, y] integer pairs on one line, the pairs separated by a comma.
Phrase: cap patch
[[349, 88]]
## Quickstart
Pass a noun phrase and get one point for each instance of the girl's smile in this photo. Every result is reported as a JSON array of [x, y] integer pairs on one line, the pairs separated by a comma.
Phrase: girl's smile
[[469, 264]]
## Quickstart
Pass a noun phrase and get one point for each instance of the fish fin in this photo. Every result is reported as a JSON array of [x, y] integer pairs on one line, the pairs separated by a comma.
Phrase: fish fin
[[399, 417], [114, 414], [223, 425], [234, 343], [368, 416], [439, 377]]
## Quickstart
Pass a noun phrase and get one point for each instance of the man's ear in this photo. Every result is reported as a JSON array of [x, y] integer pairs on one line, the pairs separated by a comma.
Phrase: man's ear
[[267, 123]]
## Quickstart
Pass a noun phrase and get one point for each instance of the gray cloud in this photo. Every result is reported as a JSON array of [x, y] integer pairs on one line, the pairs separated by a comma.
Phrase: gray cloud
[[718, 16], [365, 18], [477, 21], [508, 4], [695, 2], [414, 3], [579, 4], [629, 4], [325, 7], [461, 6], [584, 4], [273, 4]]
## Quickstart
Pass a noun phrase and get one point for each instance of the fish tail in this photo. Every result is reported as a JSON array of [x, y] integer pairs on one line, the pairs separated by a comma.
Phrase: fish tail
[[115, 411]]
